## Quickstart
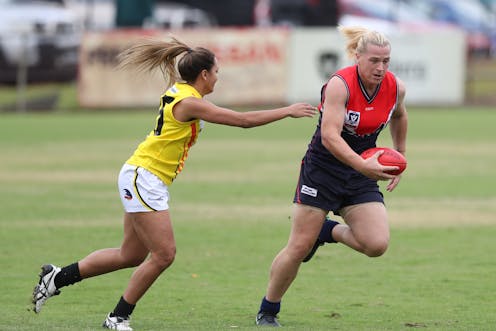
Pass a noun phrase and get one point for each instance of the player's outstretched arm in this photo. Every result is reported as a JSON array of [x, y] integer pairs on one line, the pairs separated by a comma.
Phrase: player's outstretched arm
[[192, 108]]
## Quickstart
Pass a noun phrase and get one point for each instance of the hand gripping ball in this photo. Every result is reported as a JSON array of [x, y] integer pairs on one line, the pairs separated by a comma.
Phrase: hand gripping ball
[[390, 157]]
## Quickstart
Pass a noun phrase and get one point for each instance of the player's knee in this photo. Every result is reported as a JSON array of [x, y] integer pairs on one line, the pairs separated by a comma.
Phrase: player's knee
[[376, 248], [164, 258], [299, 251]]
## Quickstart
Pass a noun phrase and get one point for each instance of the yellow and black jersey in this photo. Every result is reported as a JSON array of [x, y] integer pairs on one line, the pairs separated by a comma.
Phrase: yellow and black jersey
[[165, 149]]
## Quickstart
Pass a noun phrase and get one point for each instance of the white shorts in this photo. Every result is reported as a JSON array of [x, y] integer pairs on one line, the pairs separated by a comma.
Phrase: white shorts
[[142, 191]]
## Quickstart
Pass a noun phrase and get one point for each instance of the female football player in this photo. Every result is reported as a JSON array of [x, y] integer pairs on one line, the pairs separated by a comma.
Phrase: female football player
[[356, 104], [145, 177]]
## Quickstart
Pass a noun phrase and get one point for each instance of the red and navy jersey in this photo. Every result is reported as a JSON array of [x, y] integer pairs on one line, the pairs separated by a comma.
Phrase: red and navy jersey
[[366, 115]]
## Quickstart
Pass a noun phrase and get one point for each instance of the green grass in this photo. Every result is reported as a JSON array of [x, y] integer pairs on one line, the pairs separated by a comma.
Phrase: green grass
[[230, 209]]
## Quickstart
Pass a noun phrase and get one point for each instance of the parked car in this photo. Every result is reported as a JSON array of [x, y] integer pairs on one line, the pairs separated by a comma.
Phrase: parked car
[[101, 15], [468, 15], [177, 16], [42, 36], [304, 12], [471, 16], [393, 11]]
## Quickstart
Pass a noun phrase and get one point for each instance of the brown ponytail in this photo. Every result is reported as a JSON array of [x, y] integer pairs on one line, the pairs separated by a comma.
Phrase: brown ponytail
[[150, 54]]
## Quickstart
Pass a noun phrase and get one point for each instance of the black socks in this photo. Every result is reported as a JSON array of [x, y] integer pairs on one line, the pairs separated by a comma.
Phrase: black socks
[[67, 276], [123, 309], [70, 274], [326, 231], [270, 307]]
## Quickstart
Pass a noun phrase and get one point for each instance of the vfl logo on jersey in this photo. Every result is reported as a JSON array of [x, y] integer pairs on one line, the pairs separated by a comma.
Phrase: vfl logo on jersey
[[309, 191], [127, 194], [352, 121]]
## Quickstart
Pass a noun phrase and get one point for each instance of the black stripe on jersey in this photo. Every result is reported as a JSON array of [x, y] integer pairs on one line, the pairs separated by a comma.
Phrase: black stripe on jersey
[[166, 99]]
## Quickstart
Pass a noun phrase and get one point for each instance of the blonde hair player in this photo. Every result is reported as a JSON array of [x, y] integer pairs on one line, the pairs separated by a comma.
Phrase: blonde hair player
[[144, 179], [356, 104]]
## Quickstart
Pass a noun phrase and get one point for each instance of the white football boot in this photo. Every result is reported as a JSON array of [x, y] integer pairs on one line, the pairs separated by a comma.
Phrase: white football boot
[[45, 287], [117, 323]]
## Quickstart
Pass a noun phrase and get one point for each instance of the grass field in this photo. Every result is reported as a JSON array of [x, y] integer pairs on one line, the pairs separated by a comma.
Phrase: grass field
[[231, 209]]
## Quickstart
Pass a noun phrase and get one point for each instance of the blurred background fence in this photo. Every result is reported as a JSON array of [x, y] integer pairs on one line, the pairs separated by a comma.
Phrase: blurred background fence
[[59, 54]]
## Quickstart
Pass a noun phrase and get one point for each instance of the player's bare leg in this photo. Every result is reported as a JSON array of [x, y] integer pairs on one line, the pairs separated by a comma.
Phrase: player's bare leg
[[366, 229]]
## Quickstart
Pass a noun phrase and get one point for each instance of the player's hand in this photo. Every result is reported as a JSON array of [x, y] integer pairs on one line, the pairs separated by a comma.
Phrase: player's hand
[[393, 183], [374, 170], [302, 110]]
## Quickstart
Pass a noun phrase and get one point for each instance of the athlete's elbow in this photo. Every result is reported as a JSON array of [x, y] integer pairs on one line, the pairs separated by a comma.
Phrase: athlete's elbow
[[329, 142], [245, 122], [240, 120]]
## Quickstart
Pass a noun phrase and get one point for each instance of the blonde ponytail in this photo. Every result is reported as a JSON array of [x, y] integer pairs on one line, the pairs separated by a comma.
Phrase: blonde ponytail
[[358, 38]]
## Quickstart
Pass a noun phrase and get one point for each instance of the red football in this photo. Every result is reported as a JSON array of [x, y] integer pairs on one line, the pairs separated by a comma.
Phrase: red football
[[390, 157]]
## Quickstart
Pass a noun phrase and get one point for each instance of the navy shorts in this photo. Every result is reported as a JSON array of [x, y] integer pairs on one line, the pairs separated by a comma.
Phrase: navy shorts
[[331, 189]]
